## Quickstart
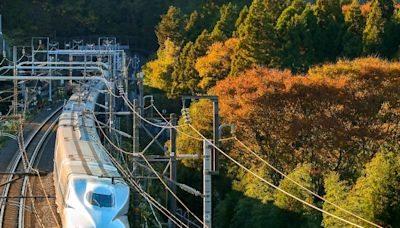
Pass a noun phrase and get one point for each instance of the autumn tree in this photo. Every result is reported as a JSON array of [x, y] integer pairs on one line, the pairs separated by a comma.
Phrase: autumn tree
[[216, 64], [256, 39], [333, 118], [201, 114], [158, 72], [170, 27]]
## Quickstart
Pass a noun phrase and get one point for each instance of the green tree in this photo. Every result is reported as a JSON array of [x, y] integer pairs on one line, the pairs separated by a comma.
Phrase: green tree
[[377, 36], [225, 26], [170, 27], [240, 20], [256, 39], [276, 7], [185, 76], [293, 39], [194, 25], [376, 194], [336, 191], [301, 174], [330, 26], [178, 77], [355, 24]]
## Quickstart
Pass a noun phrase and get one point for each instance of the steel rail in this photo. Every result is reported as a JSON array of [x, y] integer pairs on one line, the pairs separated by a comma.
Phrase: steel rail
[[21, 213], [16, 162]]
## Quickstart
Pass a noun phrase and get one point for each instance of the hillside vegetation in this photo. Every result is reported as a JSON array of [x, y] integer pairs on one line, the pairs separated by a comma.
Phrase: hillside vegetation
[[335, 130]]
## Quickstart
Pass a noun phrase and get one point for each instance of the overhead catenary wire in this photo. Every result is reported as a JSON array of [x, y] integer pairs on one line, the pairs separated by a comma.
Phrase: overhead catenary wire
[[301, 186], [178, 130], [274, 186], [170, 190], [145, 195], [159, 177]]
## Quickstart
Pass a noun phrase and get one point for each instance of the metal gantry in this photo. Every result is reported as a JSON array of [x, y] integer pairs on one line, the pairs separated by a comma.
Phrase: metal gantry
[[46, 65]]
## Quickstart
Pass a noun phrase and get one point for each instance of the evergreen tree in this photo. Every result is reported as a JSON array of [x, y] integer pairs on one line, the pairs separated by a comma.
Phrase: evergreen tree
[[355, 23], [256, 39], [378, 37], [186, 78], [276, 7], [292, 37], [224, 27], [178, 77], [240, 20], [170, 27], [330, 25], [193, 26], [308, 26]]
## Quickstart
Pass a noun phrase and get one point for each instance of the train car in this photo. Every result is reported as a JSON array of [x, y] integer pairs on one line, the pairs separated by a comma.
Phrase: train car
[[89, 190]]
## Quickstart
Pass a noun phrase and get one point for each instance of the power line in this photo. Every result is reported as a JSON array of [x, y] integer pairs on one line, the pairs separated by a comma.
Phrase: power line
[[301, 186], [272, 185]]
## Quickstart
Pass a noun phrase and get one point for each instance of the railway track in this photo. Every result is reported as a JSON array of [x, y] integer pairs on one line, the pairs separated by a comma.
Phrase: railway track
[[13, 207]]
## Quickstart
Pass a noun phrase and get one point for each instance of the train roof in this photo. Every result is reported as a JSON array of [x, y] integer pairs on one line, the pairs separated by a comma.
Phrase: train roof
[[80, 147]]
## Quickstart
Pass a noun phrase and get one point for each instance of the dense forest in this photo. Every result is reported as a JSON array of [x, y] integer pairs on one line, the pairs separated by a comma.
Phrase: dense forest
[[313, 88]]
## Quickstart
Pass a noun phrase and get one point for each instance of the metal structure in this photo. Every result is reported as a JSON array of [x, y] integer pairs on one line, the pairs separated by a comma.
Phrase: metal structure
[[49, 70]]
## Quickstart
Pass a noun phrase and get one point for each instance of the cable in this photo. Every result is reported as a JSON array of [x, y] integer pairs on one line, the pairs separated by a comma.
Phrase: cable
[[127, 176], [147, 196], [188, 135], [170, 190], [301, 186], [158, 176], [272, 185]]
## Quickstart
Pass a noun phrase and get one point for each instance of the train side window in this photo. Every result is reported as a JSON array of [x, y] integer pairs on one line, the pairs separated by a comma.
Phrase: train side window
[[100, 200]]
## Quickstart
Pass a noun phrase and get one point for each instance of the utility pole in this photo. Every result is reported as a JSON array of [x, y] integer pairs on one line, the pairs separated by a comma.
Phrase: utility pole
[[15, 103], [215, 153], [172, 169], [207, 185]]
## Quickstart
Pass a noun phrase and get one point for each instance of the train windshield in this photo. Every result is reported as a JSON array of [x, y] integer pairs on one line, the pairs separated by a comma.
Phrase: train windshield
[[101, 200]]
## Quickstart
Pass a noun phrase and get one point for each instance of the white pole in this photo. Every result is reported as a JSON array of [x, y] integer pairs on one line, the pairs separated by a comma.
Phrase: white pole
[[207, 187]]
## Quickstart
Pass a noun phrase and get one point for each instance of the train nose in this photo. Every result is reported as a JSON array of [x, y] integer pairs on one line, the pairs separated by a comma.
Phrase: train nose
[[78, 219]]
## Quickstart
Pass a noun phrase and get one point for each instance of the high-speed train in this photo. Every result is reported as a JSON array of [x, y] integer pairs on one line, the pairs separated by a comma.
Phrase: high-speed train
[[89, 190]]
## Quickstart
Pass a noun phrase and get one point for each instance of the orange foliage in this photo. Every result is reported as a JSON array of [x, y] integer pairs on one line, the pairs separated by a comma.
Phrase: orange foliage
[[334, 117], [366, 8]]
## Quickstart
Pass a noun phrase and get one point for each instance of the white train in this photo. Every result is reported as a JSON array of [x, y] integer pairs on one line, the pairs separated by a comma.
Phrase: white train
[[89, 190]]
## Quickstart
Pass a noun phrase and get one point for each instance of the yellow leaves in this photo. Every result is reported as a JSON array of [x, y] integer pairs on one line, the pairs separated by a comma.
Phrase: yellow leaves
[[216, 64], [158, 72]]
